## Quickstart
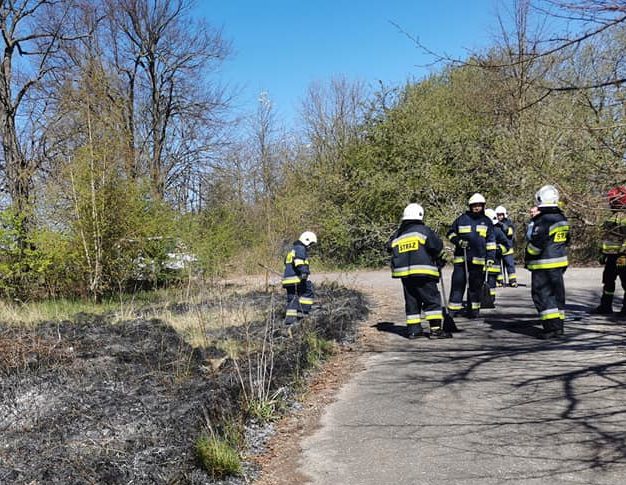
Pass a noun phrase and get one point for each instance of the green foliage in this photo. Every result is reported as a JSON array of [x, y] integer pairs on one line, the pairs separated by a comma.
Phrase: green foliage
[[214, 236], [455, 133], [318, 348], [264, 410], [218, 457]]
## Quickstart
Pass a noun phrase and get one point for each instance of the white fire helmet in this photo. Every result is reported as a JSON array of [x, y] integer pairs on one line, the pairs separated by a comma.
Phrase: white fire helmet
[[491, 214], [476, 199], [413, 212], [307, 238], [501, 210], [547, 196]]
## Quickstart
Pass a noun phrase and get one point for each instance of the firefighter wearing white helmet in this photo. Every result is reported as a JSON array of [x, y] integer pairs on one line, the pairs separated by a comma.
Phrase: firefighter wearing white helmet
[[546, 258], [502, 247], [296, 278], [473, 237], [508, 258], [417, 255]]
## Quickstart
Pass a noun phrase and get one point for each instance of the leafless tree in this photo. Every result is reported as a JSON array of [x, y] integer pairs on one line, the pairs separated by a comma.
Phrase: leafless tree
[[331, 116], [173, 105], [31, 33]]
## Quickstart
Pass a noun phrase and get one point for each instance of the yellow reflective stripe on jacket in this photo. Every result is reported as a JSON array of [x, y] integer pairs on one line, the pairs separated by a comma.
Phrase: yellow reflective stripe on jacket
[[409, 236], [479, 261], [532, 249], [305, 301], [299, 262], [550, 263], [289, 257], [458, 259], [413, 319], [482, 230], [465, 229], [558, 227], [491, 246], [506, 253], [420, 269], [452, 234], [611, 247]]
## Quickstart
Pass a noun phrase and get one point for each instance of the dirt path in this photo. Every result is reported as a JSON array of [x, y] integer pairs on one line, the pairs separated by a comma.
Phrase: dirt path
[[494, 404], [281, 464]]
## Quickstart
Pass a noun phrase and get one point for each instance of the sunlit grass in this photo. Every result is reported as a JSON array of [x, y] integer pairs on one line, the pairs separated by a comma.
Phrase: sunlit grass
[[194, 312]]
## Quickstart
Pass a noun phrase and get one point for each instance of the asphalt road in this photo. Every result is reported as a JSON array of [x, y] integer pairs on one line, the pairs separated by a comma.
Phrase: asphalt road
[[492, 405]]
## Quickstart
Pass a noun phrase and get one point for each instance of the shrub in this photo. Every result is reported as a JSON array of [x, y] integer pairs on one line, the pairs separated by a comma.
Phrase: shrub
[[218, 456]]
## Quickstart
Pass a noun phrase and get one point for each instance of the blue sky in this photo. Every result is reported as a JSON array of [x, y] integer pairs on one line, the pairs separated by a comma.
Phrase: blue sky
[[282, 46]]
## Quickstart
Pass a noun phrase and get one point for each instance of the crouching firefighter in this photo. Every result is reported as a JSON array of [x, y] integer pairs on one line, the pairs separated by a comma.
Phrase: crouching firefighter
[[417, 256], [546, 258], [474, 253], [613, 251], [296, 278]]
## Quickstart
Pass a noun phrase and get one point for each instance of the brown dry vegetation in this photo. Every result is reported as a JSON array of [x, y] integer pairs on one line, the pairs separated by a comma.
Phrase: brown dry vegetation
[[91, 400]]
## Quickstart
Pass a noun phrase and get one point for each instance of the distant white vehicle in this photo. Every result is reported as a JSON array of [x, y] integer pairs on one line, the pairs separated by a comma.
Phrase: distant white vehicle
[[179, 261]]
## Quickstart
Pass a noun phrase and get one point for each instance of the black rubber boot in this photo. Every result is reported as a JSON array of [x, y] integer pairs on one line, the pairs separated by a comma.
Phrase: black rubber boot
[[414, 331], [552, 329], [605, 307], [602, 310], [439, 333], [469, 313]]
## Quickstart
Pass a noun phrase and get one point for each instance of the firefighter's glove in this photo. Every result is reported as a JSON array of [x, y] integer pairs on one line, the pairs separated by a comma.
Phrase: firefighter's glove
[[602, 259], [304, 276], [490, 263], [463, 244]]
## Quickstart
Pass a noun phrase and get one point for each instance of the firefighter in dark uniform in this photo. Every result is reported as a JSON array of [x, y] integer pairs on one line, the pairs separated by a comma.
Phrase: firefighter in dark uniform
[[503, 245], [509, 257], [296, 278], [475, 245], [546, 258], [417, 256], [613, 251]]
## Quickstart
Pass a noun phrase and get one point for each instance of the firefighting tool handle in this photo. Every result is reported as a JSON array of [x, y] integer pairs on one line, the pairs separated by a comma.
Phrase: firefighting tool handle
[[269, 269], [505, 273], [444, 298], [466, 267]]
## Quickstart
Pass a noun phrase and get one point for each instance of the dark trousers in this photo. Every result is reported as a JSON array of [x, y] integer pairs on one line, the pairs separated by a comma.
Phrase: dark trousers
[[494, 275], [548, 292], [299, 300], [457, 287], [421, 295], [610, 274], [509, 266]]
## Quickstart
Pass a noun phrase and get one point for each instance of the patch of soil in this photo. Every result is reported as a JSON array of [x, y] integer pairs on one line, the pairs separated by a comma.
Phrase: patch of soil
[[88, 401]]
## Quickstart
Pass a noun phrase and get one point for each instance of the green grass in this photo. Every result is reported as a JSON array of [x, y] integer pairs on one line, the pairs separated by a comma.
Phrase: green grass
[[218, 456], [317, 349]]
